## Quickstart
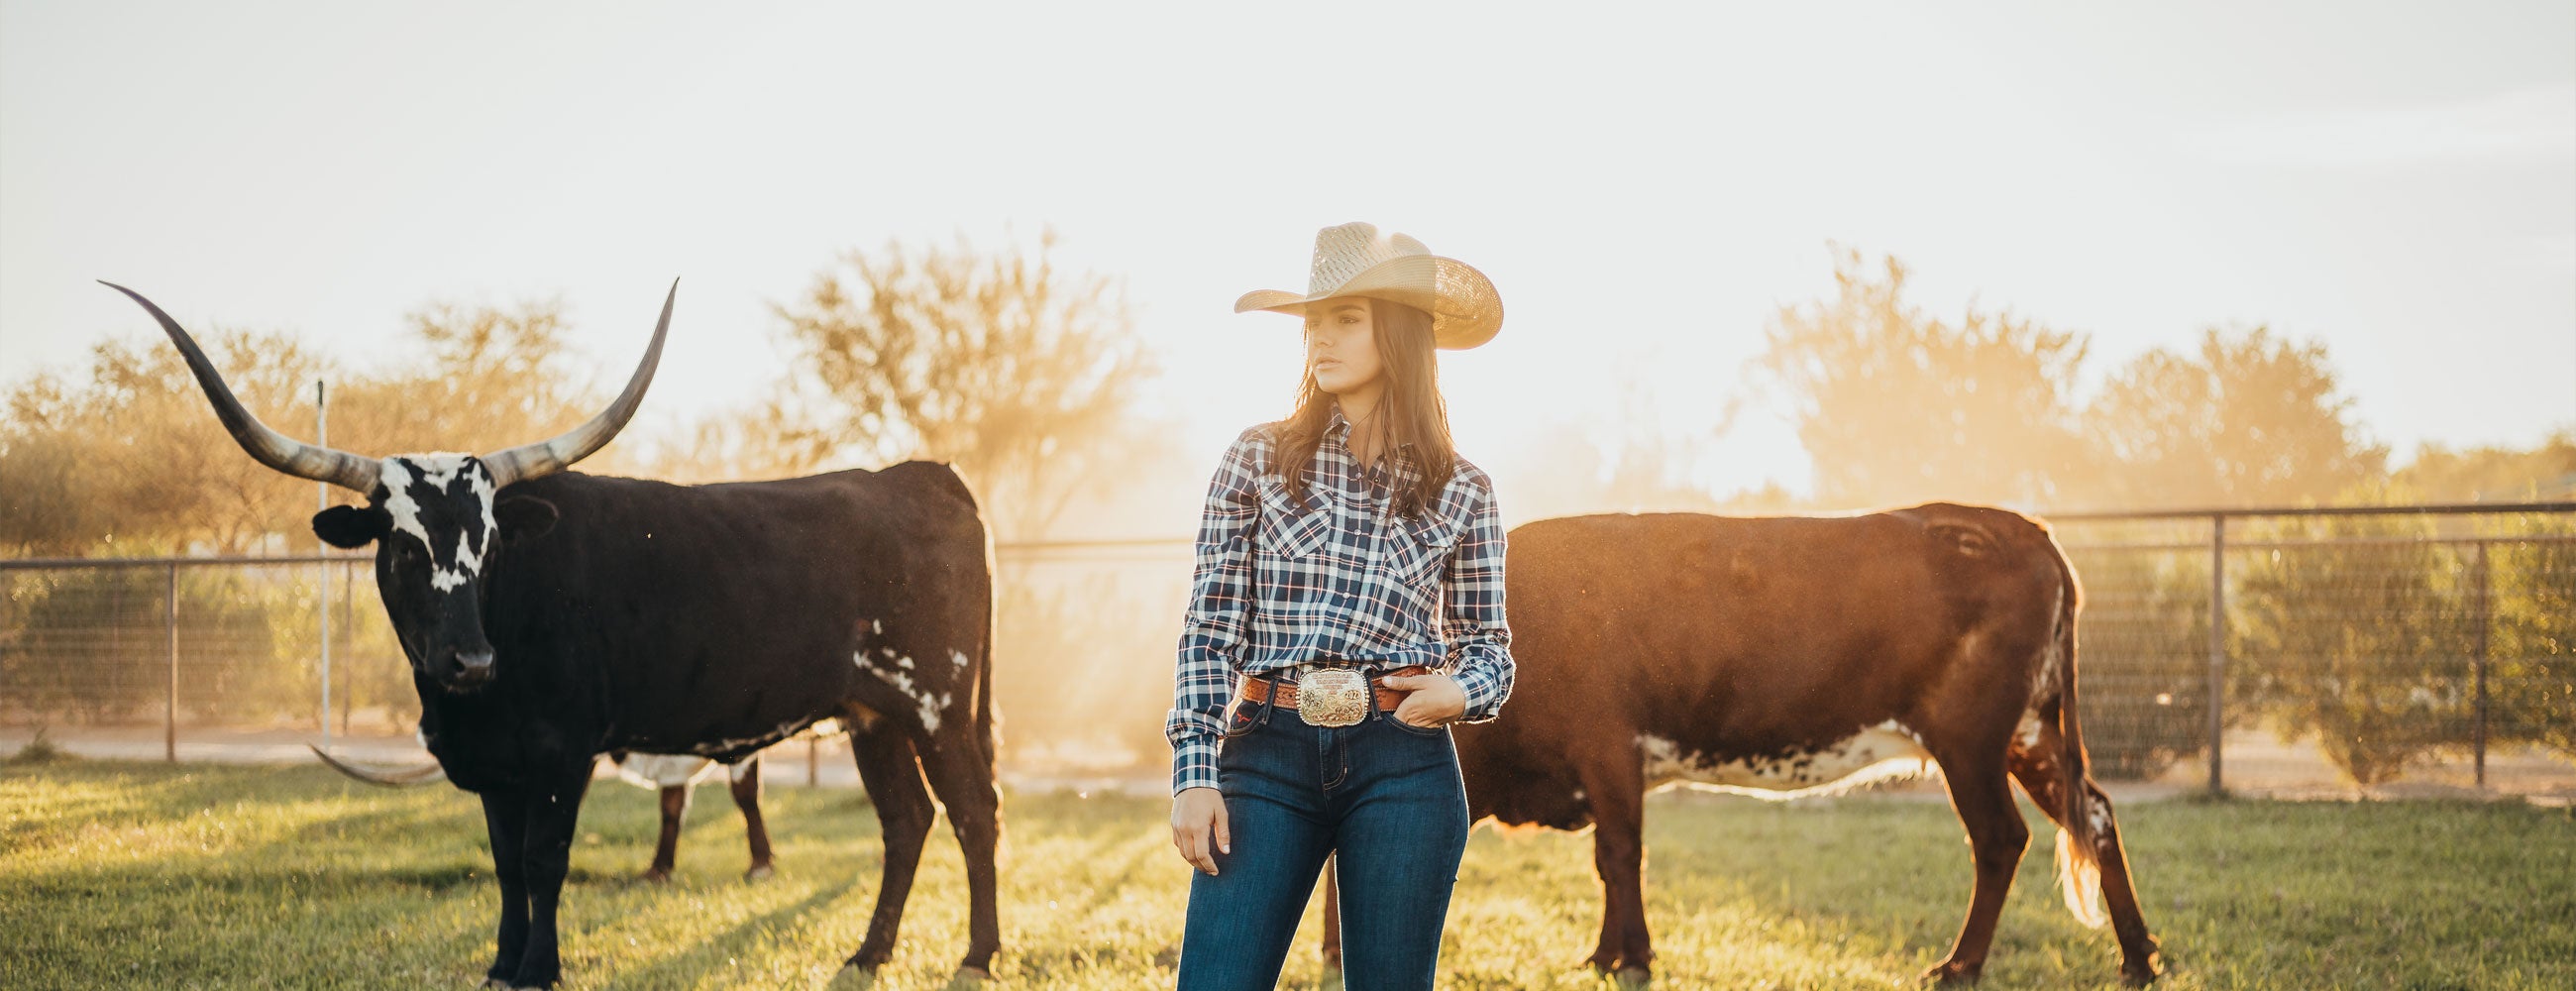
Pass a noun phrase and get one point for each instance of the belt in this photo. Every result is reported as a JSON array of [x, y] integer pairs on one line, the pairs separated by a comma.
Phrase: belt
[[1256, 689]]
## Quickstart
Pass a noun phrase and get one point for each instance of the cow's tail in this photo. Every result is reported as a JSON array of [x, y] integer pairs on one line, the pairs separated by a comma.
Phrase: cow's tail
[[2079, 870], [987, 725]]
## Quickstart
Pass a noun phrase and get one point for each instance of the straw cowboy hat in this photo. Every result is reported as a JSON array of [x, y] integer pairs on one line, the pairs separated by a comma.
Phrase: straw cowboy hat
[[1354, 259]]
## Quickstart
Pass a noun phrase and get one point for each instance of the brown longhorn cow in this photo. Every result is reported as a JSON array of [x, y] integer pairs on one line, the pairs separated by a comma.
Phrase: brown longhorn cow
[[1796, 655]]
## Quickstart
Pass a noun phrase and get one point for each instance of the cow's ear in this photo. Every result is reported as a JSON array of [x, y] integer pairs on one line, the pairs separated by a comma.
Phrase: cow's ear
[[524, 517], [351, 526]]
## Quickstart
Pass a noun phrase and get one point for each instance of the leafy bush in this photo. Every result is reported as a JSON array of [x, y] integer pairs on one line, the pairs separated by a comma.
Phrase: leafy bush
[[2356, 635], [2142, 659]]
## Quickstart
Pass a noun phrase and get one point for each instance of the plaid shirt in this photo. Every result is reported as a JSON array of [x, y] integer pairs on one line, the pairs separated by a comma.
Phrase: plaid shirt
[[1280, 583]]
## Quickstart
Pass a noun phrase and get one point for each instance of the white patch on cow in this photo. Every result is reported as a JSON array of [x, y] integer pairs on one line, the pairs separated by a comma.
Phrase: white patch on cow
[[658, 771], [739, 770], [957, 657], [1579, 795], [1883, 752], [2043, 682], [928, 705], [399, 472], [2027, 735], [2098, 810], [859, 659], [714, 747], [876, 626]]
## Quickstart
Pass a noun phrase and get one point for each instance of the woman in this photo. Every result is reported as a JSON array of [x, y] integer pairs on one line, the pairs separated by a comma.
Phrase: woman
[[1347, 607]]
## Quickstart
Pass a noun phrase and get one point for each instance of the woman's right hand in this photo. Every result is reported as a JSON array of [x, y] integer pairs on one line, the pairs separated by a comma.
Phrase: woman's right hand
[[1198, 827]]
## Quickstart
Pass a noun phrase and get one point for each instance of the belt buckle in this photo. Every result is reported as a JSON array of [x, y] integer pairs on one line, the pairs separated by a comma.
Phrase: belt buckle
[[1332, 697]]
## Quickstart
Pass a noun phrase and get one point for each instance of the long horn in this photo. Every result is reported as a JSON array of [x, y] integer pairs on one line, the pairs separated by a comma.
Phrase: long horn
[[422, 775], [273, 449], [520, 464]]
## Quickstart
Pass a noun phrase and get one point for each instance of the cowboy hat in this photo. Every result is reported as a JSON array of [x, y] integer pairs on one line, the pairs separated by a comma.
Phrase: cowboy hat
[[1354, 259]]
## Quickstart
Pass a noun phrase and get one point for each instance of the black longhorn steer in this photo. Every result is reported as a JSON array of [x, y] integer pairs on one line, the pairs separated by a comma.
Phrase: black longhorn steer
[[551, 616]]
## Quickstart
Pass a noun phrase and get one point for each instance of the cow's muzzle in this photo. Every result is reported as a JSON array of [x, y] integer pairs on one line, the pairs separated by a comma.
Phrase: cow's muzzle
[[471, 670]]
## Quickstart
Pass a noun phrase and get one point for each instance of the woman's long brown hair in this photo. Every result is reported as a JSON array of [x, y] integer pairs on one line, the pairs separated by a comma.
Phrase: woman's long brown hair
[[1410, 411]]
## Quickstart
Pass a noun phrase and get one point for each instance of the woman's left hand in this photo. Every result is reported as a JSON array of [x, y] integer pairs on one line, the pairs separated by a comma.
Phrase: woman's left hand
[[1431, 700]]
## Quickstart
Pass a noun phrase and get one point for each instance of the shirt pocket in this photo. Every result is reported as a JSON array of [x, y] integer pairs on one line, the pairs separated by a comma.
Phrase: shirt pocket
[[1289, 528], [1421, 547]]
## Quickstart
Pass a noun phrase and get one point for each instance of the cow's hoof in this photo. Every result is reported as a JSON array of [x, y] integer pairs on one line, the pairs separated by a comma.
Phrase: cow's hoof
[[1332, 980], [2140, 974], [853, 977], [656, 876], [759, 872], [969, 978], [1954, 973], [1633, 977]]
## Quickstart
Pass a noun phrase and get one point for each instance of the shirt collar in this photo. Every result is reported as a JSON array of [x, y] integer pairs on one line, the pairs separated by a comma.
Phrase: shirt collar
[[1340, 429]]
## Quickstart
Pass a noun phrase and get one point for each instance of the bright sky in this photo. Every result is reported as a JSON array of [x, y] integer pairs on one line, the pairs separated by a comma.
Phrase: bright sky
[[1645, 185]]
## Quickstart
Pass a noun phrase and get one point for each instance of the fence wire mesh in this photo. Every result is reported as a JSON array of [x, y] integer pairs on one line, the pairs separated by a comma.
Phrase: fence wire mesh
[[2428, 649]]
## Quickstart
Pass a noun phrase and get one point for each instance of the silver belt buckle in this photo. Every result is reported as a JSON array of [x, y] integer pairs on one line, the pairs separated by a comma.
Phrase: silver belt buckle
[[1332, 697]]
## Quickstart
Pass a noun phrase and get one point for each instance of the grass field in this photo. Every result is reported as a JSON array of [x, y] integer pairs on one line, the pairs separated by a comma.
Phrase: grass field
[[145, 875]]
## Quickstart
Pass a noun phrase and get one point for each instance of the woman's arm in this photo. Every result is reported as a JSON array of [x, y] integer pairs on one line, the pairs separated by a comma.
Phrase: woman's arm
[[1220, 599], [1480, 641]]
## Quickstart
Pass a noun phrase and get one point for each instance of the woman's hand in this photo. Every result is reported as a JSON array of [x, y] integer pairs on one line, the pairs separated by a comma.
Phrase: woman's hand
[[1198, 827], [1432, 700]]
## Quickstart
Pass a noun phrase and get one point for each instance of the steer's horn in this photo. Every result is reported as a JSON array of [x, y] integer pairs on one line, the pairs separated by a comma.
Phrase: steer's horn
[[422, 775], [520, 464], [273, 449]]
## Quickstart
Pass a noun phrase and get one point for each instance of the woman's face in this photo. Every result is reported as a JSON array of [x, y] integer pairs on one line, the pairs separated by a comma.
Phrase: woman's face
[[1341, 344]]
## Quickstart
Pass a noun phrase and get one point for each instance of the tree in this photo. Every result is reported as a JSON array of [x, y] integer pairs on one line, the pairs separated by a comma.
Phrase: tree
[[482, 378], [132, 456], [1898, 406], [2250, 420], [1019, 374], [2493, 474]]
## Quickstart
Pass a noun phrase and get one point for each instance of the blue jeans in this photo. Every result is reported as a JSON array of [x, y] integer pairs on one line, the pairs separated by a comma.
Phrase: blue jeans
[[1384, 796]]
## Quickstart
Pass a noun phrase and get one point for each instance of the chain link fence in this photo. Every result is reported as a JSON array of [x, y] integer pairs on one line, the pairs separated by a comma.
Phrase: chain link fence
[[2411, 647]]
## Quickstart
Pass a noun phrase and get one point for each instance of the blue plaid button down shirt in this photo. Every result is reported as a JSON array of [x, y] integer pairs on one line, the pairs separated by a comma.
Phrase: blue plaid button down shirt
[[1280, 583]]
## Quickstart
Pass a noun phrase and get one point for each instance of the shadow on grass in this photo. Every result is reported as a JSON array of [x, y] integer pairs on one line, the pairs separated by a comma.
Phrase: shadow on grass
[[710, 954]]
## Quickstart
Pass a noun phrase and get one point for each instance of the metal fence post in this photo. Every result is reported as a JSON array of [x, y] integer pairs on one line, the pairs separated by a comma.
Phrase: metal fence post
[[2479, 661], [322, 571], [2217, 689], [170, 701], [813, 760]]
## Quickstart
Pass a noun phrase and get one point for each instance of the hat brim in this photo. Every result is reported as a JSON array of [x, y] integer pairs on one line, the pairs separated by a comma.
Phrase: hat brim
[[1465, 310]]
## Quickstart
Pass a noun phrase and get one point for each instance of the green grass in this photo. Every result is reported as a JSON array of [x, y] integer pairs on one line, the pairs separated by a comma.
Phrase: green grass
[[143, 875]]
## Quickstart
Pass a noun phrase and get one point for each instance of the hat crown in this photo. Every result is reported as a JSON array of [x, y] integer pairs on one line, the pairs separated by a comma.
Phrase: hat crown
[[1343, 252], [1354, 259]]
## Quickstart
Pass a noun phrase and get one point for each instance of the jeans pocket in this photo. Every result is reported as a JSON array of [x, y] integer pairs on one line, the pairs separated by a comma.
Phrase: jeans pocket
[[1244, 718], [1404, 727]]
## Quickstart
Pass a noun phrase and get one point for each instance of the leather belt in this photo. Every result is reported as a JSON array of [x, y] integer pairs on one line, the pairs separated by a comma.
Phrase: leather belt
[[1255, 689]]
